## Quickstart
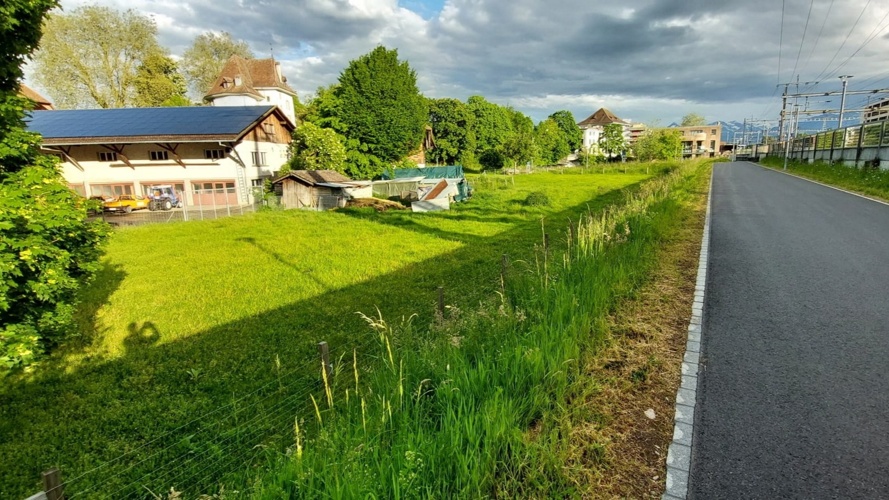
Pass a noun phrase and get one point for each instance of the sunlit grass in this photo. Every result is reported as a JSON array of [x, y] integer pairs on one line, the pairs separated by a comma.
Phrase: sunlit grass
[[188, 317]]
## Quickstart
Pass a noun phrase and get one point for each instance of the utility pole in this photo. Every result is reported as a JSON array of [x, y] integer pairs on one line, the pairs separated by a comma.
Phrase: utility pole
[[845, 79], [783, 109]]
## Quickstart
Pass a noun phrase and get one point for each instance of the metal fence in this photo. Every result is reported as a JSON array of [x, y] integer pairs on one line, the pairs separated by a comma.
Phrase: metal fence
[[206, 205]]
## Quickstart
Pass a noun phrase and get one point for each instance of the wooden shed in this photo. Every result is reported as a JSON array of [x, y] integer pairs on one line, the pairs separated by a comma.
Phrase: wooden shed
[[317, 189]]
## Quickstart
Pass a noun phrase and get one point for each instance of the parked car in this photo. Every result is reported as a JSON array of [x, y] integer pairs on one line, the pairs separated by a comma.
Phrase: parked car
[[125, 203]]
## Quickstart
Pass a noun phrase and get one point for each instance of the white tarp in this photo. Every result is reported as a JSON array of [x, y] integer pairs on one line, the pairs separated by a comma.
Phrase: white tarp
[[431, 205]]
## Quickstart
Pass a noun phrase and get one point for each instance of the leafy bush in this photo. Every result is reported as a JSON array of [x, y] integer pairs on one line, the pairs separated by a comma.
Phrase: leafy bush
[[492, 160], [537, 199], [47, 247]]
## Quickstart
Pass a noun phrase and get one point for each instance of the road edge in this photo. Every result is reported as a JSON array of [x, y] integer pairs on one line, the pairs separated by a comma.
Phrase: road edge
[[813, 181], [680, 451]]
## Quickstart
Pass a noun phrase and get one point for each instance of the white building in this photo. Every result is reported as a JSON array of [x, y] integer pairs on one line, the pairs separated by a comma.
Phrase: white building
[[212, 155], [594, 126], [252, 82]]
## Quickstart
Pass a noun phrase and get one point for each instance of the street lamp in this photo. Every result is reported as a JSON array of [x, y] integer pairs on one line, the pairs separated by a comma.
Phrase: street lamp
[[845, 79]]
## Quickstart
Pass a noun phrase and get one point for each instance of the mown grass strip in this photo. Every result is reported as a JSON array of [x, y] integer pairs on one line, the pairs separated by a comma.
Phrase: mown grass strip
[[867, 181], [486, 402]]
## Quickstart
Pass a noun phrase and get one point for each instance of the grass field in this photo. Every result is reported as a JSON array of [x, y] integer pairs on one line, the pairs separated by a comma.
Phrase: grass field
[[870, 182], [198, 339]]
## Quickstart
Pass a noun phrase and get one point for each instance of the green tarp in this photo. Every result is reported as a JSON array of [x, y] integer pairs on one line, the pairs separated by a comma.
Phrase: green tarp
[[448, 172]]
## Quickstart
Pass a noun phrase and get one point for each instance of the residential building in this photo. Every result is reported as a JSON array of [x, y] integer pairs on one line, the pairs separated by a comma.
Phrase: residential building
[[876, 112], [700, 141], [252, 82], [210, 154], [40, 102], [593, 127]]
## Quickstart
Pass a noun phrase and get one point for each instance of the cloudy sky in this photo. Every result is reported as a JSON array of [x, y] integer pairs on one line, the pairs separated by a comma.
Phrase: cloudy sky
[[645, 60]]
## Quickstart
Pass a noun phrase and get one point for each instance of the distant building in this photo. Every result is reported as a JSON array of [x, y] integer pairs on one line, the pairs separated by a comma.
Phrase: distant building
[[700, 141], [877, 112], [253, 82], [593, 127], [212, 155], [41, 103]]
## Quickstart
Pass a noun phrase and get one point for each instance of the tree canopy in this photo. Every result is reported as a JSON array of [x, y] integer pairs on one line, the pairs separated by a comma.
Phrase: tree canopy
[[658, 144], [158, 83], [493, 123], [90, 57], [612, 141], [316, 148], [203, 61], [570, 131], [47, 247], [380, 108], [693, 120], [552, 145], [453, 125]]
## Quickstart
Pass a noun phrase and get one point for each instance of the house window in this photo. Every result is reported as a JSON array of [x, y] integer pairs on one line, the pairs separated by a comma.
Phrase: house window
[[712, 145], [712, 131], [258, 158], [214, 154], [107, 156], [77, 188], [158, 155], [109, 190]]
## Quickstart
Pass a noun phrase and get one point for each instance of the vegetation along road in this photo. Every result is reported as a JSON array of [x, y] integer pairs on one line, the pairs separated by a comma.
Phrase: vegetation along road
[[792, 391]]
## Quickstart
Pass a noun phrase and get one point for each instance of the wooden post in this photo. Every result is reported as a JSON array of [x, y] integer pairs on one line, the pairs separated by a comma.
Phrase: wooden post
[[441, 303], [324, 351], [52, 485]]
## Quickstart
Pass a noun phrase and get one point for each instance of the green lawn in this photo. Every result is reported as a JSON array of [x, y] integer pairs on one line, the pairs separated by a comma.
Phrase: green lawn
[[197, 336]]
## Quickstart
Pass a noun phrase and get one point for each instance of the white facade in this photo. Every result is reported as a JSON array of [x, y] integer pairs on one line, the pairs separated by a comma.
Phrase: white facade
[[237, 170], [283, 100]]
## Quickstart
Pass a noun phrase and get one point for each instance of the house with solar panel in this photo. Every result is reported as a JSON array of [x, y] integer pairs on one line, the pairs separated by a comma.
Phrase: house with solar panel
[[211, 155]]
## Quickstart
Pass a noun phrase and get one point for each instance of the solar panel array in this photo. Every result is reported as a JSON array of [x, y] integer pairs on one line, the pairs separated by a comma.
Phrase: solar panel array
[[134, 122]]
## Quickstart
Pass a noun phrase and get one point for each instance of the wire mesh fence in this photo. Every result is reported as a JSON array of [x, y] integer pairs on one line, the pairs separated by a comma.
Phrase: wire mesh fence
[[208, 204]]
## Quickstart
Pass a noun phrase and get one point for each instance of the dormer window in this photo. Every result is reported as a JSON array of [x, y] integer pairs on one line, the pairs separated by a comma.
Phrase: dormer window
[[238, 81]]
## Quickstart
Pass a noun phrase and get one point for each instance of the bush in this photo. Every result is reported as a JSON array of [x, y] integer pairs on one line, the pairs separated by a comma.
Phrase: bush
[[492, 160], [537, 199]]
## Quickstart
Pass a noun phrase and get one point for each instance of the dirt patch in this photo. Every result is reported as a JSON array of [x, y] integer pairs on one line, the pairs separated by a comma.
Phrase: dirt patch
[[637, 372], [377, 204]]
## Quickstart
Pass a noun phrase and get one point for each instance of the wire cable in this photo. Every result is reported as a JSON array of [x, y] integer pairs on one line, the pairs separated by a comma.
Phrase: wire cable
[[803, 39]]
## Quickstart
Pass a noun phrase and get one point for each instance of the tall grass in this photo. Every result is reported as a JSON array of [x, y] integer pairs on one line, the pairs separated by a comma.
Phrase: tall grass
[[478, 404], [869, 181]]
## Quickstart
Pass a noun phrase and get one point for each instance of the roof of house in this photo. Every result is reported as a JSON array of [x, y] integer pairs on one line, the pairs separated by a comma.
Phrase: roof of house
[[42, 102], [600, 118], [313, 177], [244, 76], [134, 125]]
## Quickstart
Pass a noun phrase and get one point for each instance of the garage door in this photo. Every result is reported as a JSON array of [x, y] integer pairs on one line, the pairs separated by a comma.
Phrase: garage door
[[214, 193]]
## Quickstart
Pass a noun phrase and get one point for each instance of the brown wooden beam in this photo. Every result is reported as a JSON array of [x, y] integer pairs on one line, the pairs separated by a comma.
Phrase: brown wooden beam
[[120, 154], [66, 152], [172, 150]]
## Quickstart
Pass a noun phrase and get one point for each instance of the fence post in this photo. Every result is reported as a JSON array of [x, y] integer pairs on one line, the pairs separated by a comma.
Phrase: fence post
[[52, 485], [504, 268], [324, 351], [441, 303]]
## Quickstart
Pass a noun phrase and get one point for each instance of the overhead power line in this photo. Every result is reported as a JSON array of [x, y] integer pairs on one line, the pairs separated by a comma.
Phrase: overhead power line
[[803, 39], [849, 34]]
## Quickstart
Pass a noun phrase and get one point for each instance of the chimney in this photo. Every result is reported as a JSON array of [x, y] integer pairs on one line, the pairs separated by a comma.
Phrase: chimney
[[278, 71]]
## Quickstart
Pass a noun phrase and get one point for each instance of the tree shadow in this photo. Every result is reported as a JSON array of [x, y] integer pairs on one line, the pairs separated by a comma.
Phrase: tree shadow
[[190, 412], [92, 298]]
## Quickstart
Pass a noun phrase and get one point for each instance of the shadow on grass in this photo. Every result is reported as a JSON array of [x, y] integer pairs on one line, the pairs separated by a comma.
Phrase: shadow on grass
[[188, 413]]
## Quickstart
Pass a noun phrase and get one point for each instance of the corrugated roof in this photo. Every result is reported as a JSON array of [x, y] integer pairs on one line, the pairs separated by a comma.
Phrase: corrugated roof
[[601, 117], [146, 124], [313, 177], [244, 76]]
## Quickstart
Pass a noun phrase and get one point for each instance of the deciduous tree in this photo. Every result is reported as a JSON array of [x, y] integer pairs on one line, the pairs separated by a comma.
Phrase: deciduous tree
[[612, 141], [452, 124], [493, 123], [571, 132], [658, 144], [203, 61], [380, 107], [551, 143], [693, 120], [159, 83], [316, 148], [47, 247], [90, 57]]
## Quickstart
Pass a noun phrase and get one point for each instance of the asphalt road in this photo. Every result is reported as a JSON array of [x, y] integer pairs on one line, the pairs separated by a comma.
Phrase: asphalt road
[[793, 397]]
